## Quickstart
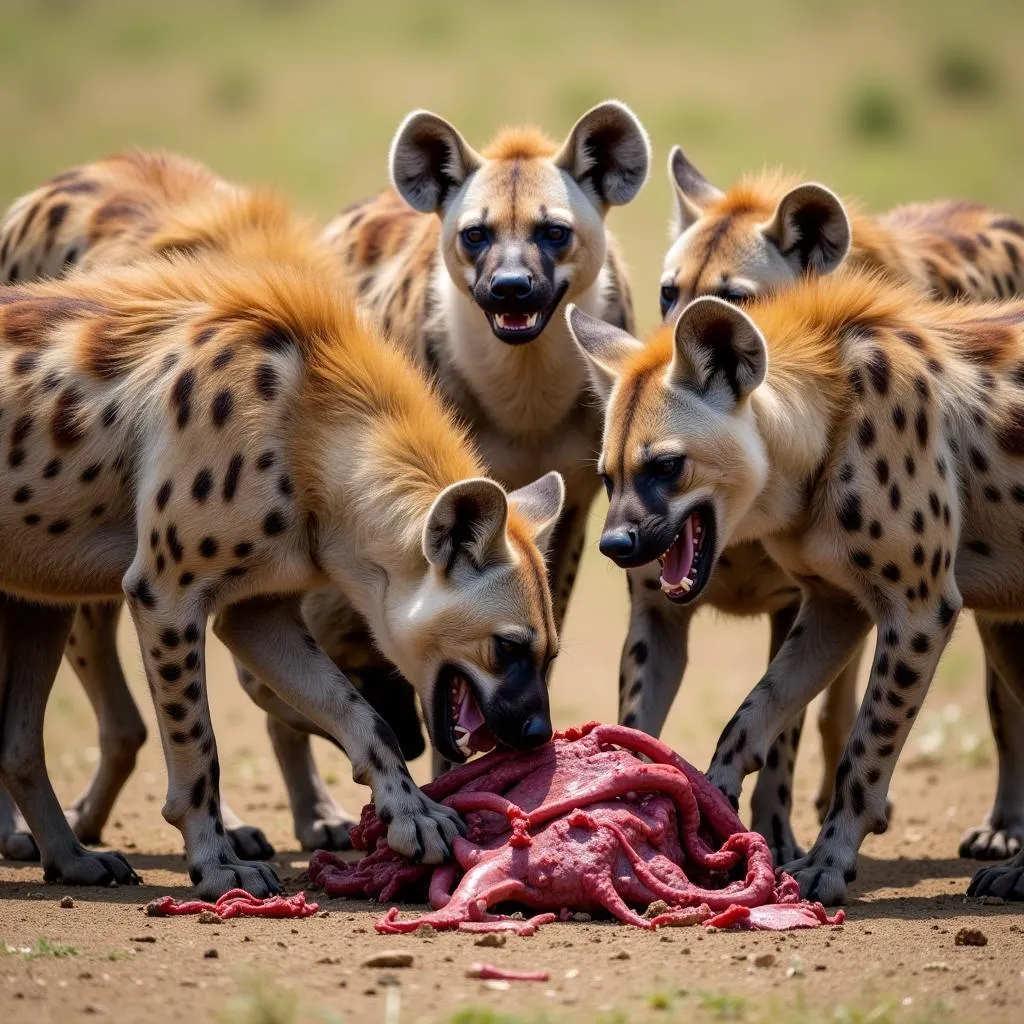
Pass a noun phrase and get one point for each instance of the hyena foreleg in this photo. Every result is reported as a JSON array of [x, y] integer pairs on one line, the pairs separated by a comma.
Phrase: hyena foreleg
[[32, 642], [269, 637], [826, 634], [910, 643], [654, 654]]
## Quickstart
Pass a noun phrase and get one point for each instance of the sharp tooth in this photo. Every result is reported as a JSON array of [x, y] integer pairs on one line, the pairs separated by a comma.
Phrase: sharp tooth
[[531, 320], [685, 585]]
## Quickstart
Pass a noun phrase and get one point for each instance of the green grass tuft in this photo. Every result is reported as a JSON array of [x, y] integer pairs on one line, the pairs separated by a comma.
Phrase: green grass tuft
[[963, 73], [876, 113]]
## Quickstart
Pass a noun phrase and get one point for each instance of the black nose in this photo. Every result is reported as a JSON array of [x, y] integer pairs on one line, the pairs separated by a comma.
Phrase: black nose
[[536, 731], [618, 543], [518, 285]]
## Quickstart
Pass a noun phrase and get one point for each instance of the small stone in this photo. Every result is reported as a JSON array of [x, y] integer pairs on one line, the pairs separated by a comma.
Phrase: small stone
[[970, 937], [389, 958], [571, 973], [323, 913], [764, 960], [622, 954], [989, 901], [144, 938], [582, 916], [85, 975], [497, 985], [491, 940], [93, 1009], [211, 954], [209, 917], [937, 965], [369, 991], [332, 960], [66, 903], [388, 981], [656, 908]]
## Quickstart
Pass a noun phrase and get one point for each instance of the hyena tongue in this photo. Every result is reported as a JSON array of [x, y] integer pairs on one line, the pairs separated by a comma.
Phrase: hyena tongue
[[468, 714], [679, 557]]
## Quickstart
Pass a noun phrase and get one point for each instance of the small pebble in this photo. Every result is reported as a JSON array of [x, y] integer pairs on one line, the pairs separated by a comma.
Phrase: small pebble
[[582, 916], [389, 958], [144, 938], [211, 954], [496, 985], [492, 940], [989, 901], [970, 937], [764, 960], [209, 917], [620, 955], [66, 903]]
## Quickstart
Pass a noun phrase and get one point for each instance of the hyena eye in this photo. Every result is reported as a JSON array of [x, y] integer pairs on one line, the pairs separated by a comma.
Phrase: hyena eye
[[508, 649], [666, 467], [474, 236], [556, 234], [737, 296], [669, 295]]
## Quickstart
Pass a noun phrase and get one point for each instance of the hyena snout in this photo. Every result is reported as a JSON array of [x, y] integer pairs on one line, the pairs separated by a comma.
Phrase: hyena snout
[[514, 286]]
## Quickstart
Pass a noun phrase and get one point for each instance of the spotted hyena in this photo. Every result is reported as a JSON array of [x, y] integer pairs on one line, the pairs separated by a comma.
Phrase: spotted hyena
[[117, 211], [216, 434], [763, 234], [872, 441]]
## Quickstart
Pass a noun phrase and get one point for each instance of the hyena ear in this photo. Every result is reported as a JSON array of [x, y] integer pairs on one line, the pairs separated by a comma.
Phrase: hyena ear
[[607, 153], [429, 161], [540, 504], [692, 191], [605, 348], [467, 518], [810, 228], [717, 346]]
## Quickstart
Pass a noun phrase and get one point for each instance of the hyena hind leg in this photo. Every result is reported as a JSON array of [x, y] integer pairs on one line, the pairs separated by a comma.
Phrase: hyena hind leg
[[32, 641], [1001, 834]]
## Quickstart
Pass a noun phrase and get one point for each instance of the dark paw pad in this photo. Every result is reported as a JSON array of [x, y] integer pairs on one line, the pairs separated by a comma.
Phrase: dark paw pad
[[250, 843]]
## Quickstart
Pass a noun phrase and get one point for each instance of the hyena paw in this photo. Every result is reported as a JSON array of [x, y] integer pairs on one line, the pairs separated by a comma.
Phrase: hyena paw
[[1004, 880], [83, 867], [250, 843], [985, 842], [728, 780], [18, 845], [327, 833], [215, 875], [820, 878], [777, 830], [418, 827]]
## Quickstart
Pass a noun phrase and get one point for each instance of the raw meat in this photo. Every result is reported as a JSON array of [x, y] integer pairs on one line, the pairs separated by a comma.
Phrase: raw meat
[[581, 825]]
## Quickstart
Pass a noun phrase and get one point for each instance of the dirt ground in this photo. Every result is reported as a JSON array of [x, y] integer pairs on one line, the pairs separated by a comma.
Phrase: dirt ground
[[895, 958]]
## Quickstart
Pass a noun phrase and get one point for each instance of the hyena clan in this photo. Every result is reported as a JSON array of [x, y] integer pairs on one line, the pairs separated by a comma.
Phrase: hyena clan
[[205, 433], [117, 211], [762, 235], [873, 441]]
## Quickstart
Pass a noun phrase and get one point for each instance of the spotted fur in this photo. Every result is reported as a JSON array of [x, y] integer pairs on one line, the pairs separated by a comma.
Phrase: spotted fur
[[782, 418], [348, 471]]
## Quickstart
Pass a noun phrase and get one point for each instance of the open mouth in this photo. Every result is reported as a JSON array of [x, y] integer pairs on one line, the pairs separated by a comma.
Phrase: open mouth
[[463, 730], [686, 565], [519, 328]]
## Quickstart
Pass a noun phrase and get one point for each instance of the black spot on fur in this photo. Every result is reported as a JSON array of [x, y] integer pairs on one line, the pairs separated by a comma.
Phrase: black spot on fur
[[879, 371], [191, 633], [638, 652], [276, 339], [181, 396], [267, 382], [866, 433], [198, 794], [21, 495], [891, 572], [202, 485], [284, 485], [992, 493], [921, 644], [220, 408], [918, 554], [857, 797], [895, 497], [32, 519], [170, 638], [882, 471], [849, 513], [875, 529], [163, 495], [223, 357], [979, 547], [244, 549], [265, 460], [170, 672], [174, 545], [946, 613], [846, 473], [882, 666], [899, 418], [861, 559], [58, 526], [979, 460], [186, 579], [91, 472], [274, 523], [208, 547], [144, 594], [233, 475], [904, 676], [909, 465]]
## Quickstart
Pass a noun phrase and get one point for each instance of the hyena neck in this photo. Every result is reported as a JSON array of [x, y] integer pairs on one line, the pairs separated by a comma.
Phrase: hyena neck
[[378, 481], [793, 421], [880, 247], [523, 390]]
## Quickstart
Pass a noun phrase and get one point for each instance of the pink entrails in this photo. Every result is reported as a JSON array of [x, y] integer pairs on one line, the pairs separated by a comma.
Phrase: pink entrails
[[236, 903], [581, 825], [488, 972]]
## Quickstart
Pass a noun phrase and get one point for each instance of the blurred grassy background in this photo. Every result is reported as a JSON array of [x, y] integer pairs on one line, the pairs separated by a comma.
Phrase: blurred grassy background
[[886, 102]]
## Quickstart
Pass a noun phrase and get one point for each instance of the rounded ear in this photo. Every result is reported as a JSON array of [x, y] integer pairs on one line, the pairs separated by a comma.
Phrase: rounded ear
[[468, 519], [692, 191], [810, 228], [540, 504], [429, 161], [607, 153], [605, 348], [717, 346]]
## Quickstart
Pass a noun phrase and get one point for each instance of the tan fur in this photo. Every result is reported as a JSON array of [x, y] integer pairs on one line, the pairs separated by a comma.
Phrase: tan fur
[[223, 426]]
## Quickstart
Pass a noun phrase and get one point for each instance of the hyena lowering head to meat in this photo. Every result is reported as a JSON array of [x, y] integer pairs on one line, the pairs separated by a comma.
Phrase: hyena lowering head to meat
[[118, 211], [762, 235], [207, 433], [873, 441]]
